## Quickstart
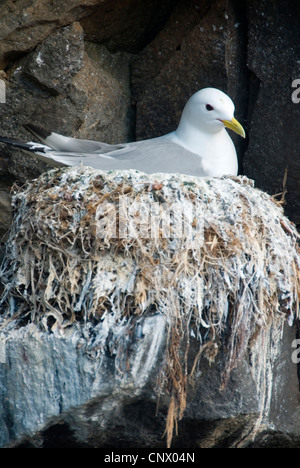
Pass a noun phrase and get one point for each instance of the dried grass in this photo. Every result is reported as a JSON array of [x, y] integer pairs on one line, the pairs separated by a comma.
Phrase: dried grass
[[231, 280]]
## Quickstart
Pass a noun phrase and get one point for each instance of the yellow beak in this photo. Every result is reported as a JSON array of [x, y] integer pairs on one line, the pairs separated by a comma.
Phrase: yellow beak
[[235, 126]]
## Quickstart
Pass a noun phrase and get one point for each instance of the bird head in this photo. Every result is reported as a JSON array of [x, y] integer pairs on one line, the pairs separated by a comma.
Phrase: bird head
[[210, 110]]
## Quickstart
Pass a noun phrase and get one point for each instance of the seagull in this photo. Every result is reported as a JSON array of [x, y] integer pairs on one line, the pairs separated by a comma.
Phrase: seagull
[[200, 146]]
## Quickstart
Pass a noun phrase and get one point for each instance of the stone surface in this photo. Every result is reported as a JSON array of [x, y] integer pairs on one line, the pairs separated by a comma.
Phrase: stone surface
[[86, 95], [26, 24], [126, 25], [64, 391], [5, 210], [5, 216], [122, 25], [53, 64], [70, 375], [273, 58]]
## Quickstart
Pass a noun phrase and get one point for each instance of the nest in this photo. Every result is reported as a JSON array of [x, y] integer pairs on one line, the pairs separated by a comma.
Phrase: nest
[[217, 257]]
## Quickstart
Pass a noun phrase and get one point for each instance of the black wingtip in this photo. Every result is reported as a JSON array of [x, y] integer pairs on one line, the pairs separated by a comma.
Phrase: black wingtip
[[19, 144], [40, 132]]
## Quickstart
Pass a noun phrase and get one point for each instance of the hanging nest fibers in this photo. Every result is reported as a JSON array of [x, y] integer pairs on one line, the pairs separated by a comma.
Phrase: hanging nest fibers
[[217, 257]]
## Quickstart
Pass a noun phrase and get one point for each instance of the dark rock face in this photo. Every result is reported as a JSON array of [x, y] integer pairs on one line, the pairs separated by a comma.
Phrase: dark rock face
[[273, 58], [53, 63], [71, 88], [126, 25], [89, 404], [73, 399], [123, 70]]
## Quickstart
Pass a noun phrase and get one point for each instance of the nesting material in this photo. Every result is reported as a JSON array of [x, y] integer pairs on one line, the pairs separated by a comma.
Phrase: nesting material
[[216, 256]]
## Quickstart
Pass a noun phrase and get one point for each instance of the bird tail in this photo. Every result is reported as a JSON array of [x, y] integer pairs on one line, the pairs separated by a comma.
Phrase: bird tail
[[39, 132], [32, 147]]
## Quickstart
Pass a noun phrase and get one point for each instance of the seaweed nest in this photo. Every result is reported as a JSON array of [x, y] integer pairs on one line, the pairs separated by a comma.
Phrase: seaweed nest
[[217, 257]]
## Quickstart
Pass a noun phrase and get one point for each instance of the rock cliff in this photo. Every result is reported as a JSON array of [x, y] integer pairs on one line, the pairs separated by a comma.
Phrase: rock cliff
[[119, 71]]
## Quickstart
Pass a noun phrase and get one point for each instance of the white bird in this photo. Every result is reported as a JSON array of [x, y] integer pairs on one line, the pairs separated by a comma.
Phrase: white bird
[[200, 146]]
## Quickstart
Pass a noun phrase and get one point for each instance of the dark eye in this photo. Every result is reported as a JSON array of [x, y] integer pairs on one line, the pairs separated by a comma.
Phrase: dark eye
[[209, 107]]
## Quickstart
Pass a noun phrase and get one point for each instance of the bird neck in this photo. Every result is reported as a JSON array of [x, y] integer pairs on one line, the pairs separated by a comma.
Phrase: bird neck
[[193, 138]]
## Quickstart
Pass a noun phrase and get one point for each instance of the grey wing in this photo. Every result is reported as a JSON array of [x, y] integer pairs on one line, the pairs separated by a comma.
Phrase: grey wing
[[72, 145], [149, 156], [162, 154]]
